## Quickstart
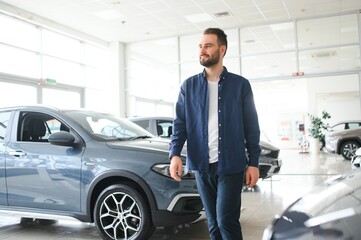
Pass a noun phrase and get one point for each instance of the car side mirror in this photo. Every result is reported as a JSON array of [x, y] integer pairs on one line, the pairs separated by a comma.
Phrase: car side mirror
[[62, 138]]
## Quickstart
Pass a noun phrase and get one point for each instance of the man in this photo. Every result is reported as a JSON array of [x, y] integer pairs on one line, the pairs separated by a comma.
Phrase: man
[[216, 115]]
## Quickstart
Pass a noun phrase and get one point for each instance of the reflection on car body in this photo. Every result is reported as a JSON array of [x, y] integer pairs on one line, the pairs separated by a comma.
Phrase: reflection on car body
[[269, 162], [330, 211], [91, 166]]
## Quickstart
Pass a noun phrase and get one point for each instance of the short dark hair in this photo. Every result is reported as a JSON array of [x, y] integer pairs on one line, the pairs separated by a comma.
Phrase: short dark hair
[[221, 36]]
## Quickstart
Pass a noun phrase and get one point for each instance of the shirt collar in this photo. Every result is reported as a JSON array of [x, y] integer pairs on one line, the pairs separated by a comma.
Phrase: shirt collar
[[222, 77]]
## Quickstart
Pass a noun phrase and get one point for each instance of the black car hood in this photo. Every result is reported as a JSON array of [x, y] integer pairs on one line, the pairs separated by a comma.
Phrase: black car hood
[[150, 144], [268, 145]]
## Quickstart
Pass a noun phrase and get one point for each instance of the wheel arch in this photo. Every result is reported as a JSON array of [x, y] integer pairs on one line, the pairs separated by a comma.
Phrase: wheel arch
[[118, 177], [342, 141]]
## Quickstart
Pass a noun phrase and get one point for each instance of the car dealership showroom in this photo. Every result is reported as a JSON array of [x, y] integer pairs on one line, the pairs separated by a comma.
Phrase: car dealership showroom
[[88, 90]]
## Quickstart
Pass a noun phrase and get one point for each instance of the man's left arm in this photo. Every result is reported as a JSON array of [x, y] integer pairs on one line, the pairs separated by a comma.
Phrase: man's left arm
[[252, 136]]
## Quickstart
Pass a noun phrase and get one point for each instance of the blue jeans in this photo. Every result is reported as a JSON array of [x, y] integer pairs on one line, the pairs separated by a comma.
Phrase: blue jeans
[[221, 197]]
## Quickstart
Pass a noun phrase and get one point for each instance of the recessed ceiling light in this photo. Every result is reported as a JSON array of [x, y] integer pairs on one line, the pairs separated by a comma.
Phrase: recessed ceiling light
[[196, 18], [110, 14]]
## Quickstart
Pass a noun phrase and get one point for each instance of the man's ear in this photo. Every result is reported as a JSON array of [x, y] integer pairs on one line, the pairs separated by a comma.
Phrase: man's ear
[[223, 50]]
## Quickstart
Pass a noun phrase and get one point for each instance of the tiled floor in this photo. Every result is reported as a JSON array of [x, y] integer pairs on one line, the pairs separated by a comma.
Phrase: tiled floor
[[299, 173]]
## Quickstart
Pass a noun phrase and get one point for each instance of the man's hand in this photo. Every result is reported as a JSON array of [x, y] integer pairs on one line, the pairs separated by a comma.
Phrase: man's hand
[[252, 176], [175, 168]]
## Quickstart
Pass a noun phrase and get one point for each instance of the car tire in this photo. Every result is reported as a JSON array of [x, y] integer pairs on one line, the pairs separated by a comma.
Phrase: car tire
[[121, 213], [348, 149]]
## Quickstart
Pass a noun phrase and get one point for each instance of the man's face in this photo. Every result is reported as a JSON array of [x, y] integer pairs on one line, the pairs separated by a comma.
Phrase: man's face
[[209, 50]]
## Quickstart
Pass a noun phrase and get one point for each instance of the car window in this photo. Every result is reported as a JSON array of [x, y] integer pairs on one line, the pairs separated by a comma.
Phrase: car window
[[4, 119], [107, 127], [37, 127], [339, 127], [353, 125], [164, 128], [143, 123], [346, 126]]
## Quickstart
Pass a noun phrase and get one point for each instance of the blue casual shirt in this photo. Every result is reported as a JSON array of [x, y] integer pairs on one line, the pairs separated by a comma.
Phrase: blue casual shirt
[[237, 123]]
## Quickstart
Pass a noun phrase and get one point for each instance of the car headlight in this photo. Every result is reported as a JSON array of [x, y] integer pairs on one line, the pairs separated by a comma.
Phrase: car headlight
[[163, 169], [265, 151]]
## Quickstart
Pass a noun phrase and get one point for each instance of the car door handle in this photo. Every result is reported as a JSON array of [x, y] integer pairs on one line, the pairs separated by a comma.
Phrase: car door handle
[[17, 154]]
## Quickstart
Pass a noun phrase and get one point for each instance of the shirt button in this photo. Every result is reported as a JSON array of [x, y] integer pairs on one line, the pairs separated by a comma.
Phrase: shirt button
[[219, 97], [219, 124], [219, 152], [219, 110]]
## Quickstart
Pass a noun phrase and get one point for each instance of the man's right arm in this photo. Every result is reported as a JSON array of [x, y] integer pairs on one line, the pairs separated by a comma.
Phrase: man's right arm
[[175, 168], [178, 138]]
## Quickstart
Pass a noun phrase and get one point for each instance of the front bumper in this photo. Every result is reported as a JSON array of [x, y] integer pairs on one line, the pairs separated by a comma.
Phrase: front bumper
[[184, 208], [269, 167]]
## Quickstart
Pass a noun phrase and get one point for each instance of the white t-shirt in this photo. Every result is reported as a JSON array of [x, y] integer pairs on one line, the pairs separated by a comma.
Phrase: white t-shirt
[[213, 121]]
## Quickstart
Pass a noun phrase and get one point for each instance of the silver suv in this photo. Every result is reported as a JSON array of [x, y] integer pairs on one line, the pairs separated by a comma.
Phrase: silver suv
[[344, 138]]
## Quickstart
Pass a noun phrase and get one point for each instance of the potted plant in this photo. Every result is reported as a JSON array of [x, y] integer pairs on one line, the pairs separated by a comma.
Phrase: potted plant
[[317, 128]]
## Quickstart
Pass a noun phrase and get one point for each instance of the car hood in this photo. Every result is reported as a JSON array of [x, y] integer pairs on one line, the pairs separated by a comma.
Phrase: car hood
[[268, 145], [148, 144], [325, 207]]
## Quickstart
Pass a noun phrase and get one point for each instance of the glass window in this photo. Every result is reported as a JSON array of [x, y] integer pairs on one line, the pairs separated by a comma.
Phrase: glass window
[[152, 69], [330, 59], [61, 46], [35, 127], [96, 56], [267, 38], [17, 94], [188, 46], [232, 65], [62, 71], [189, 69], [61, 98], [269, 65], [232, 40], [166, 128], [143, 108], [19, 62], [94, 78], [19, 33], [338, 30], [143, 123], [4, 119]]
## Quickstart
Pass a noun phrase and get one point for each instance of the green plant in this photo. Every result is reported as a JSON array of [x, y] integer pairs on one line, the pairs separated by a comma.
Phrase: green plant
[[318, 127]]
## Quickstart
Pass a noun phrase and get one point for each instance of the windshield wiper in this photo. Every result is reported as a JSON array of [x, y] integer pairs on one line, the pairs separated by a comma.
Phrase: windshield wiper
[[139, 137]]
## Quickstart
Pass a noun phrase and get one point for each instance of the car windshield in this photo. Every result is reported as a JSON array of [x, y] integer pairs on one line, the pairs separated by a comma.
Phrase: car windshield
[[106, 127]]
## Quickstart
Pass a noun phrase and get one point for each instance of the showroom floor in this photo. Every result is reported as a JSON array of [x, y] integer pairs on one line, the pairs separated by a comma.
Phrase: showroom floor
[[299, 173]]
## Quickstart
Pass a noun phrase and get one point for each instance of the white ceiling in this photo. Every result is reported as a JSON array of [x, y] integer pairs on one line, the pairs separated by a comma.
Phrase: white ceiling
[[135, 20]]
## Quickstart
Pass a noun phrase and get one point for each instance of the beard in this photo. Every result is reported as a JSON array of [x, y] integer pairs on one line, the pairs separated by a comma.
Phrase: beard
[[212, 60]]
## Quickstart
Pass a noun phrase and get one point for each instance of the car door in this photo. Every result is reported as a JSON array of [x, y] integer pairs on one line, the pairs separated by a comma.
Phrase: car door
[[4, 123], [41, 175]]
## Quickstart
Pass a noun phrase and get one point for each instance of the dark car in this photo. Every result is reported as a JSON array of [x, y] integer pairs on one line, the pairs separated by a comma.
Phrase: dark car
[[344, 138], [330, 211], [91, 166], [269, 162]]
